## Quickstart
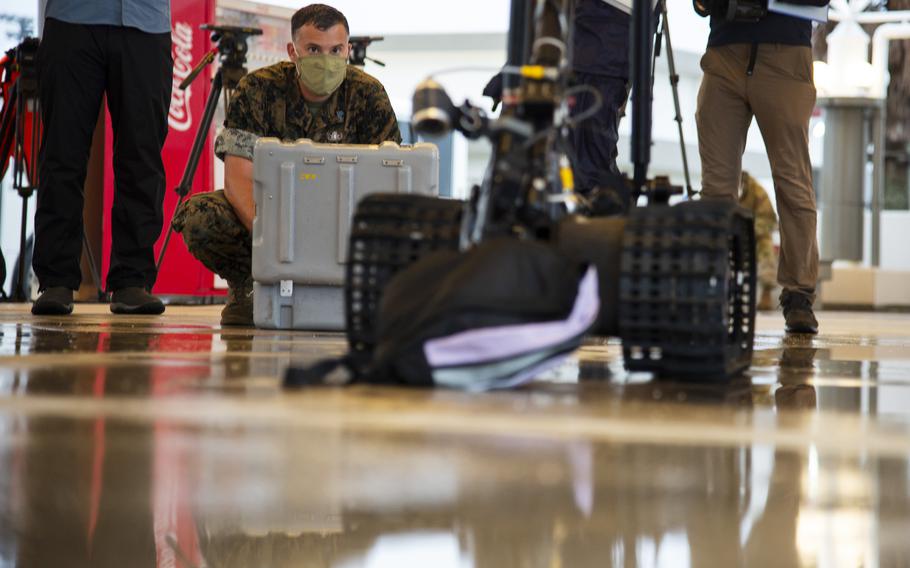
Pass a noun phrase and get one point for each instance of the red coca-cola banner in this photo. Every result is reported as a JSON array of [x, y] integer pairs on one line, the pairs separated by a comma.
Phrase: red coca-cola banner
[[180, 114], [181, 274]]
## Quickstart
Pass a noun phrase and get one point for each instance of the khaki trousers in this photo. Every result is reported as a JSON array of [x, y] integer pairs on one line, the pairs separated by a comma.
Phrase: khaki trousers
[[779, 92]]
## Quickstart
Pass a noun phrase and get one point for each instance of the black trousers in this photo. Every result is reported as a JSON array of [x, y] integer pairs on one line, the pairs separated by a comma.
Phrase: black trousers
[[78, 64], [594, 140]]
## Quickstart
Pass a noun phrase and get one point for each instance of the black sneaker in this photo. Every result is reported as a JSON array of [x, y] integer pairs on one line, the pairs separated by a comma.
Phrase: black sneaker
[[798, 312], [54, 301], [135, 300]]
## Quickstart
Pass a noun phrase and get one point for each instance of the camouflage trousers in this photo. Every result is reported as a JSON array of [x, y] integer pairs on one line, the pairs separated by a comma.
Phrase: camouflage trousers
[[765, 256], [214, 234]]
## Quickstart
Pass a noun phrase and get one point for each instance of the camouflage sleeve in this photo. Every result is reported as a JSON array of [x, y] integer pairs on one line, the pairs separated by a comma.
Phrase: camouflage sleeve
[[245, 121], [377, 122], [764, 226], [236, 143]]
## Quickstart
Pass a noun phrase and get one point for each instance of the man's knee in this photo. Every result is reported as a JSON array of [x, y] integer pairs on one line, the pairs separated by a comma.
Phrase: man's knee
[[720, 171], [718, 190], [190, 220], [214, 235], [796, 199], [203, 218]]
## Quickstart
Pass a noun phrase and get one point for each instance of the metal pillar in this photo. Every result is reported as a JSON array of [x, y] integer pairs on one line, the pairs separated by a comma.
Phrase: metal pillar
[[878, 181], [640, 60], [841, 198], [518, 47]]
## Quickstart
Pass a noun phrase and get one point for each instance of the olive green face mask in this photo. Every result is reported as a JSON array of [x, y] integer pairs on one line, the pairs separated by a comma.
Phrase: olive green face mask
[[321, 74]]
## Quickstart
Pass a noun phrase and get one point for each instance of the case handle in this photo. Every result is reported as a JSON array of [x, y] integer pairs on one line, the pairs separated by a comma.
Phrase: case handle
[[345, 204], [286, 214], [405, 182]]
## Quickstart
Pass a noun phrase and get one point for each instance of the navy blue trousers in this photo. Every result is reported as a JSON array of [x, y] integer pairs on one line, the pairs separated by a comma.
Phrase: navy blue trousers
[[594, 140]]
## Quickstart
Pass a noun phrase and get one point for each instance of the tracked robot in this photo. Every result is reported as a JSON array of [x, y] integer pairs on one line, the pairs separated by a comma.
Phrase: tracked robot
[[677, 282]]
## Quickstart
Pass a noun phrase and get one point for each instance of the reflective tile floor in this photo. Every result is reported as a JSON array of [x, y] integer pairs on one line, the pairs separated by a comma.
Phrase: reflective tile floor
[[167, 442]]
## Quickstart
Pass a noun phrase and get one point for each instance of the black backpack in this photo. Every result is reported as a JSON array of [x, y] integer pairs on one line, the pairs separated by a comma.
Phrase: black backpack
[[492, 317]]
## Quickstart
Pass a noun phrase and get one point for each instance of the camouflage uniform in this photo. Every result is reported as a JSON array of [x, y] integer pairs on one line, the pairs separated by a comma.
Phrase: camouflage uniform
[[268, 102], [214, 234], [754, 198]]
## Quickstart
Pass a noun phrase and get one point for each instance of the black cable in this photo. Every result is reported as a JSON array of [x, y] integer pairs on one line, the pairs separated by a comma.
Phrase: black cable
[[589, 113], [572, 122]]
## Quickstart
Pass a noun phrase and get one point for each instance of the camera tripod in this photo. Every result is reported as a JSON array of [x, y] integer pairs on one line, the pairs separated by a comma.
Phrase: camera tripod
[[26, 122], [21, 132], [231, 47]]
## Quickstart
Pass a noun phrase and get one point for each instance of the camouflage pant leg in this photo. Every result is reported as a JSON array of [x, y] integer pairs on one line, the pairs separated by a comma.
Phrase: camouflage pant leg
[[214, 234], [766, 261]]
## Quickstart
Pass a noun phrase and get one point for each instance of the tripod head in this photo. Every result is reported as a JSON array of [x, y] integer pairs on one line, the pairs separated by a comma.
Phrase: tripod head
[[231, 47], [24, 58], [359, 46], [231, 43]]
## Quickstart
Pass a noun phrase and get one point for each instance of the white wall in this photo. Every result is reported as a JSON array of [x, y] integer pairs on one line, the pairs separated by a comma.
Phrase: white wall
[[405, 17]]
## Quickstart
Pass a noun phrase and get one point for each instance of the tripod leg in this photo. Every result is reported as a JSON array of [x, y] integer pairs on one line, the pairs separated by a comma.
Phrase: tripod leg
[[19, 294], [167, 237], [36, 144], [658, 37], [186, 182], [674, 86], [8, 131]]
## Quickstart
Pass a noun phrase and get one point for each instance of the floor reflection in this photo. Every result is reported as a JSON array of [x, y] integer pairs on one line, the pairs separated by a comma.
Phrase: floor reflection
[[23, 339], [86, 487], [207, 359], [795, 374], [164, 495]]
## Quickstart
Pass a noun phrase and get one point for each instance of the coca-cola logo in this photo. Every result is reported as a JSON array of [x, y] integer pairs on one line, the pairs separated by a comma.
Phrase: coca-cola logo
[[179, 116]]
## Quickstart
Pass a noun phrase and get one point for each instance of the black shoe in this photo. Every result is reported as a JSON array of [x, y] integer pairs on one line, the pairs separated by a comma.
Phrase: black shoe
[[54, 301], [798, 312], [135, 300]]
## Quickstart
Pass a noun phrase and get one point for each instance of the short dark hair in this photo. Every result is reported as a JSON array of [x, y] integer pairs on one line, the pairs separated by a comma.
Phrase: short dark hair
[[319, 15]]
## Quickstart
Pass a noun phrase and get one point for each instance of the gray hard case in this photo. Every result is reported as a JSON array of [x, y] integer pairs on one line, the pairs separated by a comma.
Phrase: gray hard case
[[305, 196]]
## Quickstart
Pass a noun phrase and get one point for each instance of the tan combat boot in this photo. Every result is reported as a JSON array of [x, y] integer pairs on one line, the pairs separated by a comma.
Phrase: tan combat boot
[[239, 308], [798, 312]]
